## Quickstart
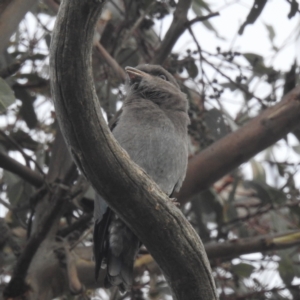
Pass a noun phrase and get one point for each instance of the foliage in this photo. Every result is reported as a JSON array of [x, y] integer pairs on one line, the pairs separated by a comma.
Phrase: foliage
[[236, 208]]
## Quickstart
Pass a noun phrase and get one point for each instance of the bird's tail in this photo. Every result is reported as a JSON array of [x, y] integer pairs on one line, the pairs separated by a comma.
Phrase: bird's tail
[[117, 245]]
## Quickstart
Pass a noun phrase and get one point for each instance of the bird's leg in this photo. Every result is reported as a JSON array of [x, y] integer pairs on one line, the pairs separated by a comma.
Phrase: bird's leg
[[175, 202]]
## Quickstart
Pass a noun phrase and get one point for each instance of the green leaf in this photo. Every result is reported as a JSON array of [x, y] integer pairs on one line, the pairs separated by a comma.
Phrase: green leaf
[[258, 171], [265, 192], [243, 270], [192, 69], [259, 68], [279, 223], [229, 85], [198, 6], [18, 190], [7, 96], [214, 120], [271, 32], [286, 268], [128, 57]]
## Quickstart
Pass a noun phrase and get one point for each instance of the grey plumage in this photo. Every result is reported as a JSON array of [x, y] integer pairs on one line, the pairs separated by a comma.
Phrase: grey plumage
[[152, 128]]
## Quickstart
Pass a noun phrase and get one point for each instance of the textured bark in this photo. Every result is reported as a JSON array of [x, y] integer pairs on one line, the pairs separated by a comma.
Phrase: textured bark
[[177, 248]]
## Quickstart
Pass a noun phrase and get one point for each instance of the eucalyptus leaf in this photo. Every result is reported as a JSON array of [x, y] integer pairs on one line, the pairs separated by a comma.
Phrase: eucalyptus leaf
[[192, 69], [286, 268], [258, 171], [7, 96], [271, 32], [243, 270]]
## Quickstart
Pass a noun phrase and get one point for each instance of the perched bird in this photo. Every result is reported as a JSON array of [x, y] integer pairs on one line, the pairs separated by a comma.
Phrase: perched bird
[[152, 128]]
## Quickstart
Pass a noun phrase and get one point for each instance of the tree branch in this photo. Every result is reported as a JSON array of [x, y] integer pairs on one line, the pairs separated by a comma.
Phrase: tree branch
[[111, 61], [114, 176], [9, 164], [219, 251], [176, 29], [238, 147], [235, 248], [17, 285], [179, 24]]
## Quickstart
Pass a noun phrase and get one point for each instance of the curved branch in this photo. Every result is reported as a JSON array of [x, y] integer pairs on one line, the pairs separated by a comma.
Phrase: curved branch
[[238, 147], [177, 248]]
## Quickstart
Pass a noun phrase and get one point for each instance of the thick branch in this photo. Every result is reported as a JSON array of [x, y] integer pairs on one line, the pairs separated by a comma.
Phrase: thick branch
[[265, 243], [176, 29], [17, 286], [238, 147], [223, 251], [177, 247]]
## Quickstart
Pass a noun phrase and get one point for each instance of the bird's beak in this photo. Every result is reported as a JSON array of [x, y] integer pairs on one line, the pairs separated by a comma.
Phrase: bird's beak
[[135, 74]]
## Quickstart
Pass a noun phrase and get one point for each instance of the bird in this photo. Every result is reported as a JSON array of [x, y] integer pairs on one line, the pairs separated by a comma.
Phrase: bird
[[152, 128]]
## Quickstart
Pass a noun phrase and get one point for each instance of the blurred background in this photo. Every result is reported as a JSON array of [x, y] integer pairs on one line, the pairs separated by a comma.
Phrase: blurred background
[[234, 60]]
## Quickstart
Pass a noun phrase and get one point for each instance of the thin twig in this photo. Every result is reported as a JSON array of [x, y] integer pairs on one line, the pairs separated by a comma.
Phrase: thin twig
[[82, 238], [26, 156], [111, 61], [201, 18]]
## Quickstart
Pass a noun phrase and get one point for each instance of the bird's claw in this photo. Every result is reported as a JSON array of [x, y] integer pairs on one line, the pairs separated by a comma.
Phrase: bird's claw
[[175, 202]]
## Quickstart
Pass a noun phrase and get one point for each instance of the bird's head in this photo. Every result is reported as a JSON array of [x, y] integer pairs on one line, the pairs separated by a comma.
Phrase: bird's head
[[154, 83]]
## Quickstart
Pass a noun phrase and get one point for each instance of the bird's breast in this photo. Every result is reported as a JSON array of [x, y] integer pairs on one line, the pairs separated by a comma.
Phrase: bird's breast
[[153, 143]]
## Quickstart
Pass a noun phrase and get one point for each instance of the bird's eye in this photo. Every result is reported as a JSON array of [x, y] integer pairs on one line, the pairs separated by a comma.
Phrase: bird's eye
[[163, 77]]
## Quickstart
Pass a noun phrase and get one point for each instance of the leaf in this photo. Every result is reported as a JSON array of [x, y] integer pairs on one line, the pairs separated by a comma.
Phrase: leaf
[[27, 111], [128, 57], [7, 96], [271, 32], [215, 123], [18, 190], [229, 85], [37, 56], [286, 267], [243, 270], [279, 223], [258, 171], [254, 13], [290, 79], [266, 193], [294, 9], [259, 68], [192, 69], [198, 6]]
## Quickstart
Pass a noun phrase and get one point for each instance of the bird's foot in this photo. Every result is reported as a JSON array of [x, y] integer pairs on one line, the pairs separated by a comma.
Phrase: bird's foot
[[175, 202]]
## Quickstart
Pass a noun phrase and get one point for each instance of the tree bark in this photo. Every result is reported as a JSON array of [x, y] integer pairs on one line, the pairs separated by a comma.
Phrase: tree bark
[[238, 147], [129, 191]]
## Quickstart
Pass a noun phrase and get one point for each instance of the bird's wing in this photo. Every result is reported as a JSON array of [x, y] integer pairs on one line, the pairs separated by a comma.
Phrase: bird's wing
[[102, 215]]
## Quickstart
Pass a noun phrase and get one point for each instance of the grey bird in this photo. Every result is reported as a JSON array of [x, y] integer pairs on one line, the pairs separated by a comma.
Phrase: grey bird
[[152, 128]]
